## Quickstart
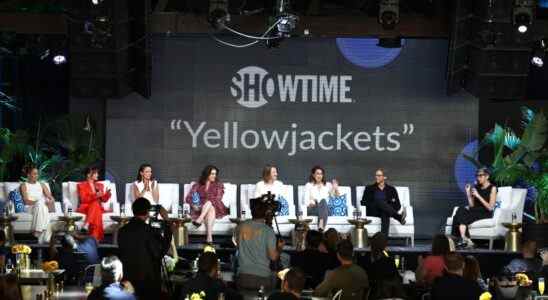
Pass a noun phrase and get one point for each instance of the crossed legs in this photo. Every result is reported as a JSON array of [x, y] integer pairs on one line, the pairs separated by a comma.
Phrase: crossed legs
[[207, 216]]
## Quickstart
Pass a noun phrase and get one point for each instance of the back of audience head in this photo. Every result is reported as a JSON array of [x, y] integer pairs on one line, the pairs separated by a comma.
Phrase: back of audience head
[[208, 263], [2, 238], [332, 237], [294, 281], [112, 269], [258, 208], [345, 251], [9, 288], [313, 239], [454, 263], [141, 207], [529, 249], [440, 245], [378, 245], [471, 268]]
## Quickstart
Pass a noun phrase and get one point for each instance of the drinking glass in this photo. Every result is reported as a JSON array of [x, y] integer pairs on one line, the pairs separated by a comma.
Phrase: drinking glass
[[397, 261], [541, 285], [88, 287]]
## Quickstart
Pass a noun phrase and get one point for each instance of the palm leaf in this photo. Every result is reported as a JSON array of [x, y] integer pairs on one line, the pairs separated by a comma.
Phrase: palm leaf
[[535, 134]]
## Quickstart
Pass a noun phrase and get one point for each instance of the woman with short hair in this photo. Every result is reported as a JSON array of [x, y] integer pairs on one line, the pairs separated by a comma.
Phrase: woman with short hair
[[37, 195], [92, 194]]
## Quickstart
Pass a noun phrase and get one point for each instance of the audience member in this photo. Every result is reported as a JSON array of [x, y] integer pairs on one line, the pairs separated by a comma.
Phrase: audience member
[[349, 277], [3, 250], [433, 265], [452, 286], [331, 240], [9, 288], [142, 247], [384, 278], [472, 272], [257, 247], [77, 251], [292, 286], [112, 287], [207, 280], [529, 262], [544, 256], [312, 261]]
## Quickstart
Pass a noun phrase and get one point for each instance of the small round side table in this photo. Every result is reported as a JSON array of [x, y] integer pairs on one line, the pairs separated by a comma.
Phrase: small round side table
[[359, 232], [70, 222], [513, 236], [181, 238], [7, 228], [120, 222], [299, 233]]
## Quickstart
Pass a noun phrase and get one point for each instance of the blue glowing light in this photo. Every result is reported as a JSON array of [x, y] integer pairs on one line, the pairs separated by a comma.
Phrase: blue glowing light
[[365, 52]]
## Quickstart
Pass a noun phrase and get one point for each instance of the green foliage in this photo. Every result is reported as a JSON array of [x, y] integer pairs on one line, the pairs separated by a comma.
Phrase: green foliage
[[521, 159], [61, 150]]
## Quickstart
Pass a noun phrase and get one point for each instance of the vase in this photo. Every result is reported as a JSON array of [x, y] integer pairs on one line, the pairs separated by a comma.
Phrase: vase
[[50, 288], [22, 262]]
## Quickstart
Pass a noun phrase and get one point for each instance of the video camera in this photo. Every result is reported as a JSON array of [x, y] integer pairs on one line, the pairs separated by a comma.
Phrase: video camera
[[269, 201]]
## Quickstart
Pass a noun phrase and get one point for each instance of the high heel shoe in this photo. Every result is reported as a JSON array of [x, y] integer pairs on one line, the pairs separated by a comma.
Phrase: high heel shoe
[[196, 224]]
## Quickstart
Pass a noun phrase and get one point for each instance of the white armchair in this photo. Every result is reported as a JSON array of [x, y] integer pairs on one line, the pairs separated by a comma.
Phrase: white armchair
[[111, 207], [24, 219], [222, 226], [509, 200], [396, 229], [247, 191], [169, 198], [340, 223]]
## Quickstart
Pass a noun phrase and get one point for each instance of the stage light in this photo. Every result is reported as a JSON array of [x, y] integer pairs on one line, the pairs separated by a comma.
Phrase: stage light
[[59, 59], [539, 53], [218, 13], [523, 14], [389, 13], [96, 2], [286, 21]]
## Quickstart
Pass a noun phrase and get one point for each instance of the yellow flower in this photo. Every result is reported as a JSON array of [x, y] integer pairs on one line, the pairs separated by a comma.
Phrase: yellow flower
[[50, 266], [197, 296], [486, 296], [21, 249]]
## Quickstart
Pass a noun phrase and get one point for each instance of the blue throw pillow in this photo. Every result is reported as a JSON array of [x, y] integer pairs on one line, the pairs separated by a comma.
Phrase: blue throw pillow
[[284, 210], [497, 204], [196, 199], [17, 199], [337, 206]]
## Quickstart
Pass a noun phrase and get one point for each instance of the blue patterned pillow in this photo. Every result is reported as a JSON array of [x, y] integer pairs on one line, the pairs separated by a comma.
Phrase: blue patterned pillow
[[196, 199], [337, 206], [284, 210], [17, 199], [497, 204]]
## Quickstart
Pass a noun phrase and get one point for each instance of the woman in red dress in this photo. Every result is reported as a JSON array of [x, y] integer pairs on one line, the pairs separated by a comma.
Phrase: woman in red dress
[[205, 200], [92, 194]]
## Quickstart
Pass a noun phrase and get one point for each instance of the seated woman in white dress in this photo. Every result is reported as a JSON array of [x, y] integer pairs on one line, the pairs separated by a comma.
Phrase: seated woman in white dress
[[145, 186], [316, 195], [37, 195], [270, 182]]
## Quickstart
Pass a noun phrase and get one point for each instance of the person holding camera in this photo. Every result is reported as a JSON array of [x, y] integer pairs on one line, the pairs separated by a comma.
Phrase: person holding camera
[[257, 247], [142, 247]]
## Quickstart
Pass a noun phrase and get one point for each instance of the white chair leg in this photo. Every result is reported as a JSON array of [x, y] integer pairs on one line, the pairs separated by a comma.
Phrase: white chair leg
[[491, 244], [413, 242]]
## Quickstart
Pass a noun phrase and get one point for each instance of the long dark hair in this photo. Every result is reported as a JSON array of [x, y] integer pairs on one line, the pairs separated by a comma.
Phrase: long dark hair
[[314, 169], [205, 174], [141, 169], [440, 245]]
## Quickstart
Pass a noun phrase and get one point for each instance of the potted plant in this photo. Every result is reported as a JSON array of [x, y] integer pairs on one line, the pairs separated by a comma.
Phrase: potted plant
[[523, 162]]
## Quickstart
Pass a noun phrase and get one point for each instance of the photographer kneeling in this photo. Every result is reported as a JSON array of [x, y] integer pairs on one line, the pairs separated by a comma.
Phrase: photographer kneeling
[[141, 249], [257, 246]]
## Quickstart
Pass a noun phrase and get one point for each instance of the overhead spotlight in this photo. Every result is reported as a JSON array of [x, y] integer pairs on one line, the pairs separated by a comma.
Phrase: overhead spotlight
[[96, 2], [59, 59], [286, 21], [523, 14], [218, 13], [389, 13], [539, 53]]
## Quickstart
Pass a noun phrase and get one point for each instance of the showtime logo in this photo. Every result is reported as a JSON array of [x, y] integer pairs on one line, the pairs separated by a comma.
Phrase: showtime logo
[[254, 87]]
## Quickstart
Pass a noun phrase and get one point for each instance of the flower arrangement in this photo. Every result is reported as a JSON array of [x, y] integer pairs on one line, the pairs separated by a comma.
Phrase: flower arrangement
[[523, 279], [485, 296], [21, 249], [50, 266], [196, 296]]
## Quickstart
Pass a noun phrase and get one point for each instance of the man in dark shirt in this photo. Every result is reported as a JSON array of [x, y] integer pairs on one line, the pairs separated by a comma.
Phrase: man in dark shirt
[[452, 286], [529, 262], [292, 286], [142, 247], [207, 280], [312, 261], [382, 201]]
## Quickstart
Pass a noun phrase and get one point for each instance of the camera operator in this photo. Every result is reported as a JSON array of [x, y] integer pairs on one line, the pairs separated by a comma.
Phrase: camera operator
[[142, 248], [257, 246]]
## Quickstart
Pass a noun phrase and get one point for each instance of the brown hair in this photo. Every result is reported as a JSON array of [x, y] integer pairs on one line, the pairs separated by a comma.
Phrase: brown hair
[[440, 245], [295, 279], [314, 169], [9, 288], [28, 168], [454, 262], [471, 268], [266, 172]]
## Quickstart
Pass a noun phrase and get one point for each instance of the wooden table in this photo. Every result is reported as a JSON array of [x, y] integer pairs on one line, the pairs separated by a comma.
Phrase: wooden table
[[70, 222], [36, 277], [181, 236], [359, 232], [29, 292], [299, 233], [7, 228], [513, 236]]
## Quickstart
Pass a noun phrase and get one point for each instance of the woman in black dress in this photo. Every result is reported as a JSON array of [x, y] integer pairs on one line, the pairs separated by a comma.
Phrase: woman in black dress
[[481, 203]]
